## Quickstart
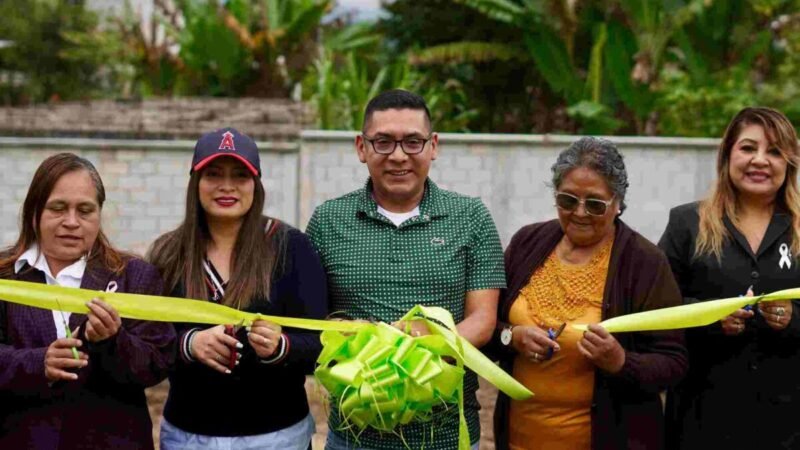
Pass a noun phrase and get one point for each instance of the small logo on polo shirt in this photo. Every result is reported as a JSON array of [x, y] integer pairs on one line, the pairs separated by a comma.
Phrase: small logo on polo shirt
[[437, 241]]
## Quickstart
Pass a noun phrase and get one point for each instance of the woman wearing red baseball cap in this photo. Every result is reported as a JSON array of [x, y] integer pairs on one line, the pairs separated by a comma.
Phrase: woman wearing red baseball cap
[[227, 251]]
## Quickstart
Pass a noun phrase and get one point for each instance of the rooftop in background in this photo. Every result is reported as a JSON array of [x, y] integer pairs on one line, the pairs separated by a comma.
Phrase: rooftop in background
[[181, 118]]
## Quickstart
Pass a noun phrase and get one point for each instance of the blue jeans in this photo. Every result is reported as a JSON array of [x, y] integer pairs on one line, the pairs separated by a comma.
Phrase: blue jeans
[[294, 437], [335, 442]]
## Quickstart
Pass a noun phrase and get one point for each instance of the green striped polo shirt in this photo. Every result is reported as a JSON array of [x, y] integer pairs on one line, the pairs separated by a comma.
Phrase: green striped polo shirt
[[377, 271]]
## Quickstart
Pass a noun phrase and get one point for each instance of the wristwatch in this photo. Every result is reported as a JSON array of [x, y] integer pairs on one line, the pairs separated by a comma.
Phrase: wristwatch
[[506, 335]]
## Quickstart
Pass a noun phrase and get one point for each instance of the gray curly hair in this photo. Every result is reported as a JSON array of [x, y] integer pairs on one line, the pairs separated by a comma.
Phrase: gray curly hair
[[600, 155]]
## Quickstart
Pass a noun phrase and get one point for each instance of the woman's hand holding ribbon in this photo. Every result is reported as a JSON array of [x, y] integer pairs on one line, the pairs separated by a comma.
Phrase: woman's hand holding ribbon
[[264, 337], [602, 349], [777, 314], [103, 321]]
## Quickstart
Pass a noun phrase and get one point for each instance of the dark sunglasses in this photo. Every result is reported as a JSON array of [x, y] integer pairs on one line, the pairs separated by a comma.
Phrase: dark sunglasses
[[592, 206]]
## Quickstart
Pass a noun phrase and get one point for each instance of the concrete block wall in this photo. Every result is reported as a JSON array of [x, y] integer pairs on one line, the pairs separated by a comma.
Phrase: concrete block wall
[[146, 180]]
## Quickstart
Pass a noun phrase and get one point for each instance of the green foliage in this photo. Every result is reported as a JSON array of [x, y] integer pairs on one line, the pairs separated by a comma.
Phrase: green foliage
[[339, 91], [216, 62], [726, 59], [684, 107], [673, 67], [43, 63], [232, 48], [638, 66], [358, 62]]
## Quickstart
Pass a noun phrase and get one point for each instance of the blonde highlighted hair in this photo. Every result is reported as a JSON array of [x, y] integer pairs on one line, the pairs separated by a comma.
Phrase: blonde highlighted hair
[[721, 202]]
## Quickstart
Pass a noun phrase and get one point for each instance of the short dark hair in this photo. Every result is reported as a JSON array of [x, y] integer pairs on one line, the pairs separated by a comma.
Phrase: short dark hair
[[395, 99], [600, 155]]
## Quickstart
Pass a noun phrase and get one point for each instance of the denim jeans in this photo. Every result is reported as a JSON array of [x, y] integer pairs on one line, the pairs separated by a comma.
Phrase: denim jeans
[[294, 437]]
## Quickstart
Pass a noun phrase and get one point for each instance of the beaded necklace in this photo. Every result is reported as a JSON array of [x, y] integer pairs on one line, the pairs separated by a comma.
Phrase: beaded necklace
[[559, 292]]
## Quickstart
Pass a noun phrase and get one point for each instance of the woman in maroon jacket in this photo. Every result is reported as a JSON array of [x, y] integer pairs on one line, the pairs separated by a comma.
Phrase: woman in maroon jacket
[[48, 398], [593, 389]]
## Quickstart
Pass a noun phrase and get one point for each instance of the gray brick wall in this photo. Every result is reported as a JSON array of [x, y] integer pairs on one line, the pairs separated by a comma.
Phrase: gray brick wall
[[146, 180]]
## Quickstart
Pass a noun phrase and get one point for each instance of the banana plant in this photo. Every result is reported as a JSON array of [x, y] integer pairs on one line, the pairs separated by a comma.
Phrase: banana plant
[[549, 30], [228, 47], [629, 39], [352, 68]]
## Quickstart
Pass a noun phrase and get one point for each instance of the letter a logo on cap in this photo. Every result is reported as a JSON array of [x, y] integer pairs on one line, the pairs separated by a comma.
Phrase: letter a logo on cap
[[227, 142]]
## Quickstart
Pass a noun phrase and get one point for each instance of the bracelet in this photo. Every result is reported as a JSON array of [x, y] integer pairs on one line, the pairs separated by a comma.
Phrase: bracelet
[[188, 349], [280, 353]]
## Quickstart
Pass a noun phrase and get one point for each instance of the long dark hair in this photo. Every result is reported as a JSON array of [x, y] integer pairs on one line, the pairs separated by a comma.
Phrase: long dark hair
[[179, 254], [42, 184]]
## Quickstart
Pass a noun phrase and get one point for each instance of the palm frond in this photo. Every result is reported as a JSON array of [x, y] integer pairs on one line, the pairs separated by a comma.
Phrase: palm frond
[[472, 52], [500, 10]]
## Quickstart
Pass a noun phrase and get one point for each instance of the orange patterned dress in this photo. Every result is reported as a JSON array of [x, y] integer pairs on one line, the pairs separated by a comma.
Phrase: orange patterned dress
[[558, 416]]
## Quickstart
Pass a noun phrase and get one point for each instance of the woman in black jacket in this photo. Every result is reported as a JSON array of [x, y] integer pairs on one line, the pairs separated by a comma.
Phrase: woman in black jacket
[[743, 388]]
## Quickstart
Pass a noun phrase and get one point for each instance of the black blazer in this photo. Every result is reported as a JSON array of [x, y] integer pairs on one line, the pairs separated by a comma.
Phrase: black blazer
[[736, 385]]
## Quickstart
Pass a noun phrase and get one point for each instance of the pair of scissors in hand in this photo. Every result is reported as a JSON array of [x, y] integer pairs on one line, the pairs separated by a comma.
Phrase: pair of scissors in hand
[[553, 334], [67, 330], [231, 331]]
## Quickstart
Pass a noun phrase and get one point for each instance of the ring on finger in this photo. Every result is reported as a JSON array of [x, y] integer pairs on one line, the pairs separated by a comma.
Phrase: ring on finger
[[780, 311], [536, 356]]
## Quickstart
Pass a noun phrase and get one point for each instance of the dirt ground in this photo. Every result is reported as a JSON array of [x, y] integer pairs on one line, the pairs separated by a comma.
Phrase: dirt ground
[[486, 395]]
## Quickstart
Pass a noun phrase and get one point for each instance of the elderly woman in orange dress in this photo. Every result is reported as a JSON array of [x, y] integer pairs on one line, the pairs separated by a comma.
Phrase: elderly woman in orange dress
[[593, 390]]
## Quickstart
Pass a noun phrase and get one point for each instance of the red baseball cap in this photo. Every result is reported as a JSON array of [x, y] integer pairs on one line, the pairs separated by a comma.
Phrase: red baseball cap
[[226, 142]]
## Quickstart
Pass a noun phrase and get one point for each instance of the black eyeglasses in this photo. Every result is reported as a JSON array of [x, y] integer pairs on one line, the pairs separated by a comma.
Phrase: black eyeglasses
[[592, 206], [386, 146]]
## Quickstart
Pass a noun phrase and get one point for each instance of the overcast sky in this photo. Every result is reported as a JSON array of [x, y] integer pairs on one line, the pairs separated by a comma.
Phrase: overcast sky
[[363, 9]]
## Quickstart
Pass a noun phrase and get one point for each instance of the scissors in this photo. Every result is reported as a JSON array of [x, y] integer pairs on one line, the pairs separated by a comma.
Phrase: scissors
[[553, 334], [748, 307], [66, 328], [231, 331]]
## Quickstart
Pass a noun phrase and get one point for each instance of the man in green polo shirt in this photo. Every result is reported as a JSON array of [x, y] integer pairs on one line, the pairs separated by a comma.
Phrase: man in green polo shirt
[[401, 241]]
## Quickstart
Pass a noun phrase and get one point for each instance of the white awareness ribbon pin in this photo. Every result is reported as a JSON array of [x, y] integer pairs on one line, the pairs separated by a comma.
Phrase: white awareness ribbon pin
[[785, 257]]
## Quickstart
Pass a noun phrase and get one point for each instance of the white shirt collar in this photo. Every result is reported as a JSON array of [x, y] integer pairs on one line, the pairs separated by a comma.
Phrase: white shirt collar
[[34, 258]]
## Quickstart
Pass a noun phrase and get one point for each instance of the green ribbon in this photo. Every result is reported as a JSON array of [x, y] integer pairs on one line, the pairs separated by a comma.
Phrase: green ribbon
[[688, 316], [151, 307], [380, 376]]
